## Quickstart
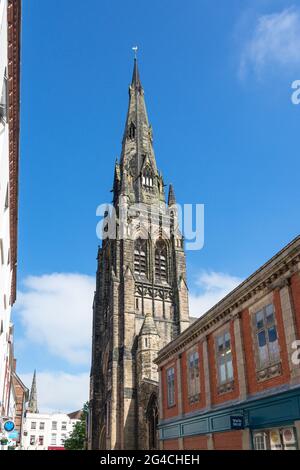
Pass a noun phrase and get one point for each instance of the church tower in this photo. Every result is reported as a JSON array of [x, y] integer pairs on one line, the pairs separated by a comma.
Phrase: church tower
[[141, 298], [32, 404]]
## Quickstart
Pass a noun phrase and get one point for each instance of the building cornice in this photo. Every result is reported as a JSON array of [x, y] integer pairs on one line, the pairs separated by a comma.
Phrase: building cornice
[[261, 281], [14, 49]]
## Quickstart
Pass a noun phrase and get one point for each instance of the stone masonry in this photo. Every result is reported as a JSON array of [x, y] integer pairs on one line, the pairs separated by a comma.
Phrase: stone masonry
[[141, 298]]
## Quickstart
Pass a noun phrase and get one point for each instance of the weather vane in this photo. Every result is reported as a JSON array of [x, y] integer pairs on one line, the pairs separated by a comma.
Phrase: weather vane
[[135, 49]]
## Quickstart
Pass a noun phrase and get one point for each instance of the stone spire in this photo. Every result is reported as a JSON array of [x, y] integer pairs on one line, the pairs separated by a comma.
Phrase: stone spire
[[136, 82], [137, 149], [32, 405], [148, 327], [171, 197]]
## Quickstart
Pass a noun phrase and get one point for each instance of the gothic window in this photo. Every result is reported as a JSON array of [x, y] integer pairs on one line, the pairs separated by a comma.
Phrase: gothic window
[[131, 131], [152, 420], [224, 355], [140, 257], [161, 261], [147, 178], [266, 334], [193, 376]]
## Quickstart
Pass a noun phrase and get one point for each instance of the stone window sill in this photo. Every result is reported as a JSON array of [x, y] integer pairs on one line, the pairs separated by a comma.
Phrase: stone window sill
[[171, 406], [268, 372], [194, 399], [225, 387]]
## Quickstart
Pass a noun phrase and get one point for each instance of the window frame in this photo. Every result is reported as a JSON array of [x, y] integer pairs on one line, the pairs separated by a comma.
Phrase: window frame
[[4, 105], [161, 261], [148, 178], [193, 376], [171, 395], [140, 257], [225, 385], [265, 328], [54, 426]]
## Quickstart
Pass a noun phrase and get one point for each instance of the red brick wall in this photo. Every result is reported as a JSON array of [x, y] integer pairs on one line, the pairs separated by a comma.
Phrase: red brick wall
[[195, 443], [173, 410], [187, 406], [230, 440], [171, 444], [215, 397], [295, 289], [253, 385]]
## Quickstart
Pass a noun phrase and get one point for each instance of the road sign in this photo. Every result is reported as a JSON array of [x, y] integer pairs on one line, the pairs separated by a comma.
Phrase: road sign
[[9, 426]]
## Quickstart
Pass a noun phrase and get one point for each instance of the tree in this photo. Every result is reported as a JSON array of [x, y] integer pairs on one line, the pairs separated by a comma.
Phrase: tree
[[77, 438]]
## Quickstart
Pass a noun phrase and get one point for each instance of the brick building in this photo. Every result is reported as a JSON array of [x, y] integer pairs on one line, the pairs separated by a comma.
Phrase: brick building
[[10, 35], [21, 393], [232, 379]]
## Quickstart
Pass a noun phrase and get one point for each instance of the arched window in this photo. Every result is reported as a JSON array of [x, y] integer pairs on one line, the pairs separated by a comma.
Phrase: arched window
[[131, 131], [147, 178], [152, 421], [161, 261], [140, 257]]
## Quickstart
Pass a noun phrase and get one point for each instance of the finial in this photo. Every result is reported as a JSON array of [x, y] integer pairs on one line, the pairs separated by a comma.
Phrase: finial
[[135, 49]]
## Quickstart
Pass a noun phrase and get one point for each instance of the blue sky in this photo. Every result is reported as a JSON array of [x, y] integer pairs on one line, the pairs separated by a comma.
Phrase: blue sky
[[217, 79]]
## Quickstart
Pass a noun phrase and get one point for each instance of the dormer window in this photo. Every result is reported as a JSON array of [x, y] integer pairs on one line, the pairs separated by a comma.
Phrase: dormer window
[[131, 131], [148, 178]]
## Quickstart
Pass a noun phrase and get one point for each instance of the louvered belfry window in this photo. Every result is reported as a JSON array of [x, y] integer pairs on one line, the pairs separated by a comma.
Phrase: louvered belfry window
[[161, 261], [140, 257], [148, 178]]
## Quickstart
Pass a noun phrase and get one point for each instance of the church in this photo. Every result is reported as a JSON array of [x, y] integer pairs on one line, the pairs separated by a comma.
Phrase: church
[[141, 298]]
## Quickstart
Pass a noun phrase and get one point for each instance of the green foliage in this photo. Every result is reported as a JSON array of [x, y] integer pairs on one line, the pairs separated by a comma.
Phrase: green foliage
[[77, 438]]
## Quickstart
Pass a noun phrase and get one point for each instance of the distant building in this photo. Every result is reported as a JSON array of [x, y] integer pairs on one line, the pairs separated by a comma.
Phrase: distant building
[[10, 20], [232, 379], [44, 431]]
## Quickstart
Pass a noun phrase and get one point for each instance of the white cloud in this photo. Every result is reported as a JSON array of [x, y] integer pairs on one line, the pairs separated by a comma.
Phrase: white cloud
[[213, 287], [56, 312], [274, 42], [59, 391]]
